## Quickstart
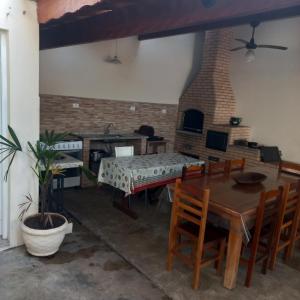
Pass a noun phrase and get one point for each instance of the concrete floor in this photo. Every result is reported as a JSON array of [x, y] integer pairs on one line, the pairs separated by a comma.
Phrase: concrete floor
[[143, 243], [85, 268], [113, 257]]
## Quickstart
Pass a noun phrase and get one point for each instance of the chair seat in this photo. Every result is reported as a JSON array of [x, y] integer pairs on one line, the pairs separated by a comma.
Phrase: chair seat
[[212, 233]]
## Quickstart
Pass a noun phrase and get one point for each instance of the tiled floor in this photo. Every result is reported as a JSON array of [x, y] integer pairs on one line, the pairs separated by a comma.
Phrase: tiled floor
[[143, 243]]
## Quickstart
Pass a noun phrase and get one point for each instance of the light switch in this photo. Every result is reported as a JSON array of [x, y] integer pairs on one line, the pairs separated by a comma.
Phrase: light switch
[[75, 105]]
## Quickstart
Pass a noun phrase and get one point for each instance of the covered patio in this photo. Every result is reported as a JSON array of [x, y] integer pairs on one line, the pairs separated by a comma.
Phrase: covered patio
[[160, 149]]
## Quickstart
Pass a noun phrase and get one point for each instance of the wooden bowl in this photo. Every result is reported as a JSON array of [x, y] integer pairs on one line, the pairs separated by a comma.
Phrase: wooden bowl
[[249, 178]]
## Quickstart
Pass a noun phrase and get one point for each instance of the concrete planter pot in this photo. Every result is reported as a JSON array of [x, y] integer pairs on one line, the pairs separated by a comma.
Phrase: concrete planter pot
[[44, 242]]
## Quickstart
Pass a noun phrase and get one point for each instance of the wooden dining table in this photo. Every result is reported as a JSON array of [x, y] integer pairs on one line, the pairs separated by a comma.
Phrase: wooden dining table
[[237, 205]]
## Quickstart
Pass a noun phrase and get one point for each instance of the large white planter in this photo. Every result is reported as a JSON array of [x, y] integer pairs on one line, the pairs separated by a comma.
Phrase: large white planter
[[43, 242]]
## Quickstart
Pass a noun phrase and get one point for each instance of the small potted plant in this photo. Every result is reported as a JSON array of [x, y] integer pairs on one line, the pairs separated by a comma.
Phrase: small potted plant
[[43, 232]]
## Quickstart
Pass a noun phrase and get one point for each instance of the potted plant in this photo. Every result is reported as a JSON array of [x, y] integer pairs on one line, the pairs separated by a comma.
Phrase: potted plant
[[43, 232]]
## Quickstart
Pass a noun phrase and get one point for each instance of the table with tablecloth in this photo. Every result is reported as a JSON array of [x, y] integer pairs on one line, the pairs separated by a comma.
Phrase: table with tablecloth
[[133, 173]]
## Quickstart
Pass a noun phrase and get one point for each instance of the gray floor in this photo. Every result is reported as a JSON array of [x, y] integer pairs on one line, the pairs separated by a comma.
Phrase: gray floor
[[113, 257], [86, 268], [143, 243]]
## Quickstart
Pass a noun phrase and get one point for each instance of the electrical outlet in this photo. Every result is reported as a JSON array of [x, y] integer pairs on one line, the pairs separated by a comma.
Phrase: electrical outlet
[[132, 108], [75, 105], [163, 111]]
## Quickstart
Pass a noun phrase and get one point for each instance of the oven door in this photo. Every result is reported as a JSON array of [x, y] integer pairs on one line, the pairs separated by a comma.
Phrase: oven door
[[74, 153], [71, 178], [72, 175]]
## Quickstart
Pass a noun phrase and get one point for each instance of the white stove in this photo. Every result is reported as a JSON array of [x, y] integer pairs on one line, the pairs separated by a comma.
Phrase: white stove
[[68, 146], [72, 148]]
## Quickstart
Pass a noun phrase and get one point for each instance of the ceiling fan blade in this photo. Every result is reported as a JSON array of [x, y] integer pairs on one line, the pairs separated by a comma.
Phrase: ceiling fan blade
[[238, 48], [242, 41], [273, 47]]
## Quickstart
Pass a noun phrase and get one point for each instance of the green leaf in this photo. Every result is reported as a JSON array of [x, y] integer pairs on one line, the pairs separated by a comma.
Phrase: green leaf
[[7, 143], [9, 165], [15, 138]]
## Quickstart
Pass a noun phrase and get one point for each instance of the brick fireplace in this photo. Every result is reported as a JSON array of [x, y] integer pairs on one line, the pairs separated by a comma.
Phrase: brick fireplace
[[211, 93]]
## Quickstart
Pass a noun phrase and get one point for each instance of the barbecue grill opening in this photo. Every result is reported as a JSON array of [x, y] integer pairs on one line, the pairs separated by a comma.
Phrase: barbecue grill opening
[[193, 120]]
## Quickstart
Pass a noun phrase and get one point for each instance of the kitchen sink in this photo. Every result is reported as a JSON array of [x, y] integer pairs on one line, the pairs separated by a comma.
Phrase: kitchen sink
[[111, 135]]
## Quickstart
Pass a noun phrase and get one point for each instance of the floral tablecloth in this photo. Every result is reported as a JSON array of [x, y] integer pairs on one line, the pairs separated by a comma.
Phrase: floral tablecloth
[[129, 173]]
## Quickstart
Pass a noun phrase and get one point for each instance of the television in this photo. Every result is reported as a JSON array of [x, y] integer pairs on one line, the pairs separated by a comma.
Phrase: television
[[217, 140]]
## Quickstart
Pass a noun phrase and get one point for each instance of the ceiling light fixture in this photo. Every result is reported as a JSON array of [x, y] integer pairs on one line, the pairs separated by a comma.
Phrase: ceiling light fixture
[[115, 59], [250, 55]]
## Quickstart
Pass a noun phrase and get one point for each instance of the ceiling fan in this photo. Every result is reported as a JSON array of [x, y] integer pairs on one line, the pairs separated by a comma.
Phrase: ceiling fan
[[251, 45]]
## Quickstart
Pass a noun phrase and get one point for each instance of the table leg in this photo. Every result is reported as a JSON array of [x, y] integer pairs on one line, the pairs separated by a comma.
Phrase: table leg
[[125, 208], [233, 254]]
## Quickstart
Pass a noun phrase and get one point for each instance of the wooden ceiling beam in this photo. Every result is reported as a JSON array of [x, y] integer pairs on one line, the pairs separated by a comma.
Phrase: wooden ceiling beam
[[55, 9], [267, 16], [156, 18]]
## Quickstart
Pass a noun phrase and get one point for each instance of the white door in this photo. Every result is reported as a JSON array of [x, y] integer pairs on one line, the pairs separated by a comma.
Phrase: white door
[[3, 130]]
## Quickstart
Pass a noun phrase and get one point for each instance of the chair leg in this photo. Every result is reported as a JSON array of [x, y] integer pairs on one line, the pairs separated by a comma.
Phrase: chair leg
[[273, 259], [250, 269], [146, 198], [197, 271], [265, 266], [274, 251], [290, 250], [172, 245], [219, 265], [159, 203]]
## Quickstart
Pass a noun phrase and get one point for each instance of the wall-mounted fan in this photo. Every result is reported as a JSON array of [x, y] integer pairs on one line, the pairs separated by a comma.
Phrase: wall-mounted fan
[[251, 45]]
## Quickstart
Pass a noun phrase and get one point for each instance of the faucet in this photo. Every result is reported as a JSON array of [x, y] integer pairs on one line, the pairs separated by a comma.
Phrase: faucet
[[107, 128]]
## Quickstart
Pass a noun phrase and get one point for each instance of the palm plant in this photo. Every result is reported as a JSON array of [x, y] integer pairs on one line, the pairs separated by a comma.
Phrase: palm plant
[[44, 156]]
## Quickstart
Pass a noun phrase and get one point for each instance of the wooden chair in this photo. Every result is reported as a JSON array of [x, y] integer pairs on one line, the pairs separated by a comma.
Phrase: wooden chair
[[286, 231], [218, 168], [290, 168], [236, 165], [125, 151], [263, 233], [189, 215], [193, 172]]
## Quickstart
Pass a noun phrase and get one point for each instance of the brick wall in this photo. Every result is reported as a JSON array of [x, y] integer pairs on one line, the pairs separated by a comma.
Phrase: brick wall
[[211, 92], [57, 113]]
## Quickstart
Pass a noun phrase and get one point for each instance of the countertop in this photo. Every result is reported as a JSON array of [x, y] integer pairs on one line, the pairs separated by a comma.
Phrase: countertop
[[110, 137]]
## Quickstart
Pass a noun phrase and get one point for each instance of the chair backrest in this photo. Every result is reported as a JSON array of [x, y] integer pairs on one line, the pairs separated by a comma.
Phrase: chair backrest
[[237, 164], [193, 172], [289, 168], [124, 151], [217, 168], [191, 208], [290, 207], [268, 212]]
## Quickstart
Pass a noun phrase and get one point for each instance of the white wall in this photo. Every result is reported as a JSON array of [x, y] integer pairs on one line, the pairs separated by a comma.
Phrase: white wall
[[268, 90], [23, 64], [152, 71]]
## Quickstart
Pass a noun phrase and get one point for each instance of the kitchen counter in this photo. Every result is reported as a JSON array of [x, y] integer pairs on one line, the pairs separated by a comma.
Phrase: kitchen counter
[[110, 137], [96, 141]]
